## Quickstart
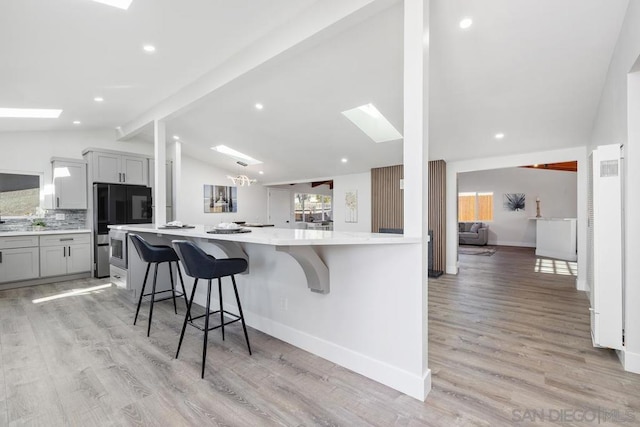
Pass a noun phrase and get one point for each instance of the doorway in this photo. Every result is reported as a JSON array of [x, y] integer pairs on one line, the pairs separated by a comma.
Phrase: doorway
[[279, 207]]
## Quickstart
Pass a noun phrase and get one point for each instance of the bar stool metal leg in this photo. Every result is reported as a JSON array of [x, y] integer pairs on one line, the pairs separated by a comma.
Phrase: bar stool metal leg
[[244, 327], [153, 294], [206, 328], [184, 291], [187, 315], [173, 289], [144, 284], [221, 309]]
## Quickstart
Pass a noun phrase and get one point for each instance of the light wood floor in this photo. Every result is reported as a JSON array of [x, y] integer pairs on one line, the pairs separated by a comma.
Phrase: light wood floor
[[504, 339]]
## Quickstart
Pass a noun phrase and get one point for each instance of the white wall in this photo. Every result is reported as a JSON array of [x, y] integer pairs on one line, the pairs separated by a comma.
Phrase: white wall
[[252, 200], [557, 191], [611, 126], [32, 151], [360, 182]]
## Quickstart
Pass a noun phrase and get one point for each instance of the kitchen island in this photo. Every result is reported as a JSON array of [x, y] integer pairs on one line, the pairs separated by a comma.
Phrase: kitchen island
[[557, 238], [334, 294]]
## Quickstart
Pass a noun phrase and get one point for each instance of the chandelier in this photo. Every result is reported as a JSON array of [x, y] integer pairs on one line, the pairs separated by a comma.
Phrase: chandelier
[[242, 180]]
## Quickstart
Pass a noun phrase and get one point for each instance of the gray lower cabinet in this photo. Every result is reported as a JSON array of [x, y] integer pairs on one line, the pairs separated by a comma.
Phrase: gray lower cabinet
[[19, 258], [64, 254]]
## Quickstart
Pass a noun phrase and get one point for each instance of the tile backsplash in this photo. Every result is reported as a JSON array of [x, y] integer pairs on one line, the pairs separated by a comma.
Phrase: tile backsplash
[[74, 219]]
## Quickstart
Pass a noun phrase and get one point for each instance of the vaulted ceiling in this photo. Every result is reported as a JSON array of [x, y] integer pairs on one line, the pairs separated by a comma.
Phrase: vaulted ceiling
[[532, 70]]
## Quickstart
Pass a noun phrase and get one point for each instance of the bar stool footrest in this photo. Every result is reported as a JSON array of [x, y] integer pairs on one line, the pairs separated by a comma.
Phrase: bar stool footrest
[[235, 316], [178, 294]]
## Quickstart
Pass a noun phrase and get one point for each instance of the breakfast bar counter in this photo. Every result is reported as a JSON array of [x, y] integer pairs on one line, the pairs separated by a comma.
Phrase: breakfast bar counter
[[363, 286], [274, 236], [294, 242]]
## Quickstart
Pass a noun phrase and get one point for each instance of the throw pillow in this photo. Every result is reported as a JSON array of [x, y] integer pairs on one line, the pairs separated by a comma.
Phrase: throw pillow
[[474, 227], [461, 226]]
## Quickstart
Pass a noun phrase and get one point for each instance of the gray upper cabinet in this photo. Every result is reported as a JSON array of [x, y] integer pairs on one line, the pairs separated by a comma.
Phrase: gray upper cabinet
[[135, 170], [69, 183], [112, 167]]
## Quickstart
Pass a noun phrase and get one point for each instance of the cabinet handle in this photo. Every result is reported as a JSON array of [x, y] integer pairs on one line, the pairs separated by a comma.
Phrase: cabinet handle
[[69, 251], [66, 239], [0, 257], [119, 176], [124, 177], [64, 251], [57, 202]]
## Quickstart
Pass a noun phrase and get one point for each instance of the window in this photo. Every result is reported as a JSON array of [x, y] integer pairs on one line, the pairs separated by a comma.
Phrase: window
[[19, 195], [475, 207], [312, 207]]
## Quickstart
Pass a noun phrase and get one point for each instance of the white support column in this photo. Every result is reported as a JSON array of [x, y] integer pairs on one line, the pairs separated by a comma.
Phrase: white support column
[[177, 181], [416, 60], [414, 149], [631, 232], [160, 184]]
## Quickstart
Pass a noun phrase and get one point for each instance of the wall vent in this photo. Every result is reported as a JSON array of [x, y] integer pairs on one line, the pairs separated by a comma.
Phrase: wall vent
[[608, 168]]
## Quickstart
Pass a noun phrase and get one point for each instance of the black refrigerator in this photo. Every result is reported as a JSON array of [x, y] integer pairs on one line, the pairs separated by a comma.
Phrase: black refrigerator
[[115, 204]]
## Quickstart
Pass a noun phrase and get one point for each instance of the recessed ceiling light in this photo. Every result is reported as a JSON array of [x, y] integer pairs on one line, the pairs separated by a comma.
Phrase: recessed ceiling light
[[536, 165], [344, 160], [98, 99], [30, 113], [236, 155], [120, 4], [261, 172], [259, 106], [499, 135], [176, 137], [373, 123], [466, 23], [149, 48], [76, 122]]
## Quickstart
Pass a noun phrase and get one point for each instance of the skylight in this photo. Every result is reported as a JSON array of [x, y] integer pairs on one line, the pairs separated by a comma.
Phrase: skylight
[[236, 155], [120, 4], [373, 123], [30, 113]]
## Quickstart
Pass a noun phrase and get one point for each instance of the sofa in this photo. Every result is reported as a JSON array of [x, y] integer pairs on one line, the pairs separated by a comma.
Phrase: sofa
[[473, 233]]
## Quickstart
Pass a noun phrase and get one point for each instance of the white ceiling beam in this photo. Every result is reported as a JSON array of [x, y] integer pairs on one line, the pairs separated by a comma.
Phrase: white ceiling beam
[[319, 17]]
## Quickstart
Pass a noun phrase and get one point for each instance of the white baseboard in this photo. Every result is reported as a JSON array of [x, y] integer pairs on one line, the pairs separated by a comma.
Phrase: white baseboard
[[630, 361], [509, 243], [567, 256], [452, 269], [582, 285], [416, 386]]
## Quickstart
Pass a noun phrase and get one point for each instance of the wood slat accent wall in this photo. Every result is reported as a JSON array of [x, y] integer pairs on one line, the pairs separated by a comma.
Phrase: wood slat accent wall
[[387, 199], [438, 211]]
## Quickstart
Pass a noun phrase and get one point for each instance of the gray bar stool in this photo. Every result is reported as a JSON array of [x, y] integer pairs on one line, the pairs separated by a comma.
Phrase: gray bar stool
[[156, 254], [200, 265]]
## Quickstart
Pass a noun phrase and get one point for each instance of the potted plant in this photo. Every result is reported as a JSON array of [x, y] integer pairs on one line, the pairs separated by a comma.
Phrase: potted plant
[[38, 224]]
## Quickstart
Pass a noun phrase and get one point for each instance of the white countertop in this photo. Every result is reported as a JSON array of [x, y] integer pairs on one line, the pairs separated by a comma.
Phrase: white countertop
[[278, 236], [44, 232]]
